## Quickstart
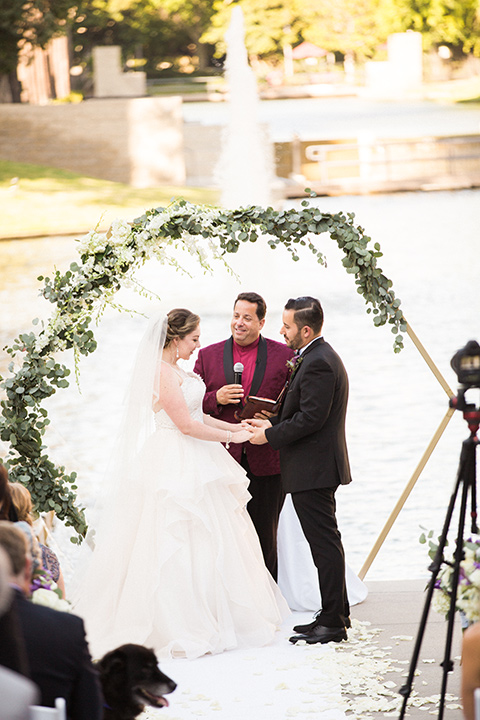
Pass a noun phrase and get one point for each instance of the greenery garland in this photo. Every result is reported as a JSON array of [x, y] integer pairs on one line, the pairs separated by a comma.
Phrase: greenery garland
[[109, 261]]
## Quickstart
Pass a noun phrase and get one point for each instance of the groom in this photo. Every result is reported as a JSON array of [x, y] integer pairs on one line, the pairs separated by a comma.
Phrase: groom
[[309, 431]]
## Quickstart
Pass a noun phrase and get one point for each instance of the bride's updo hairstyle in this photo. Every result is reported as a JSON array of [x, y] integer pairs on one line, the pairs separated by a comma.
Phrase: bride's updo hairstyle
[[180, 322]]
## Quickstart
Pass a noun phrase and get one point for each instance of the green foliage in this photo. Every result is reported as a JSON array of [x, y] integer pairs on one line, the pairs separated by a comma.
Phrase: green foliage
[[148, 31], [35, 21], [109, 260], [452, 22], [349, 26], [281, 20]]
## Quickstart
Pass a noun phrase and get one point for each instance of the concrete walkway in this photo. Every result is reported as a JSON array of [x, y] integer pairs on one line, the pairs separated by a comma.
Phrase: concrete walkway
[[396, 607]]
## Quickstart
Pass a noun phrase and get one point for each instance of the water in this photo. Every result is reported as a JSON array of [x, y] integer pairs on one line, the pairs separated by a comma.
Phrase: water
[[349, 117], [430, 245]]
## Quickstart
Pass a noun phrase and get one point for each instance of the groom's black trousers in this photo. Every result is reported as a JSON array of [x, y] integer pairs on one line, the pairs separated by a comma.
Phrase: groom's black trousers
[[316, 512]]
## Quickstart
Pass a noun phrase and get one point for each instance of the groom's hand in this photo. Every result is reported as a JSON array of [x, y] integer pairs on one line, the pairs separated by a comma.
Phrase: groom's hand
[[258, 427]]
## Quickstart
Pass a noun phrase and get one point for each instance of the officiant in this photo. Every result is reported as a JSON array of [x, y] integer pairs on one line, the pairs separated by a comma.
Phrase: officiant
[[265, 372]]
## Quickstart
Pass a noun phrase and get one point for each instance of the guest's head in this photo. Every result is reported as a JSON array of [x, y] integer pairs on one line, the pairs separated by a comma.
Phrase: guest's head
[[248, 319], [302, 321], [15, 544], [22, 502], [5, 496], [5, 590]]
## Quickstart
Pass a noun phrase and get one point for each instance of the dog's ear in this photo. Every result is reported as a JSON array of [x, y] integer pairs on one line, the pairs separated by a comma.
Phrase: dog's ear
[[113, 661]]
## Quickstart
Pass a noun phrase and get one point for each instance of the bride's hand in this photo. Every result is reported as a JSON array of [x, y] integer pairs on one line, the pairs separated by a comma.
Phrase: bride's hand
[[241, 436]]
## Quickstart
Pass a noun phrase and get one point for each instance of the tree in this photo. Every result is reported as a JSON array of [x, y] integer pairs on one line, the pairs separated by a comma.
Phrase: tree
[[353, 27], [151, 30], [268, 25], [452, 22], [34, 22], [191, 17]]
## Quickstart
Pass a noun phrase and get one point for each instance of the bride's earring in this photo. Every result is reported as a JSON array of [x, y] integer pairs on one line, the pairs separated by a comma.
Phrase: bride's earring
[[177, 354]]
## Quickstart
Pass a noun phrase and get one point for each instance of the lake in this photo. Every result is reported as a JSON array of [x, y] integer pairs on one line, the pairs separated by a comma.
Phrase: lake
[[431, 252]]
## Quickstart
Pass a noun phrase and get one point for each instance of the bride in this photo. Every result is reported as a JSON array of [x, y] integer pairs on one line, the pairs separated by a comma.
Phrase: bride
[[177, 564]]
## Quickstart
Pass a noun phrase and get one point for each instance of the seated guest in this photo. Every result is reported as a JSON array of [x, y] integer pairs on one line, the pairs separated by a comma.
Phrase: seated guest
[[56, 646], [22, 503], [470, 669], [16, 691]]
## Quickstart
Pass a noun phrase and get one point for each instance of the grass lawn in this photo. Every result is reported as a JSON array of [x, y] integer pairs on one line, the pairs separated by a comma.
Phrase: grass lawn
[[37, 200]]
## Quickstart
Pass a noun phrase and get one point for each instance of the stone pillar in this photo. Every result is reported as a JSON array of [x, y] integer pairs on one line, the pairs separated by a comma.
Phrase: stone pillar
[[405, 57], [108, 78]]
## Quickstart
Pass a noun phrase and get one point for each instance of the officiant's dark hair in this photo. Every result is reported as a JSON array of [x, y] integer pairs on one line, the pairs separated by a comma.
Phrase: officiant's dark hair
[[253, 297], [307, 311]]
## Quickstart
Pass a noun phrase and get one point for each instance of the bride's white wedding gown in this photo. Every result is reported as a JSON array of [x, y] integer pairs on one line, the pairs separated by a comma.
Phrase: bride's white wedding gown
[[177, 565]]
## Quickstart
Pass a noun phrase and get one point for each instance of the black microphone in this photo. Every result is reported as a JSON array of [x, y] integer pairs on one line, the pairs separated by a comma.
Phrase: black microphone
[[238, 370]]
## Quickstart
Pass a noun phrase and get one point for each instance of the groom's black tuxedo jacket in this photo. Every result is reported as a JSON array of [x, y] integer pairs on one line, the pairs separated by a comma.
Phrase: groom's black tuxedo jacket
[[309, 431]]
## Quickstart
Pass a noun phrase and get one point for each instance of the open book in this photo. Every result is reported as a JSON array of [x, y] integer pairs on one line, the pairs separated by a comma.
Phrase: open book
[[255, 405]]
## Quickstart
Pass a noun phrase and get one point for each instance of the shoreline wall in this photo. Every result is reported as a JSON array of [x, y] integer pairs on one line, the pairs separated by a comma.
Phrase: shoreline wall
[[135, 141], [144, 142]]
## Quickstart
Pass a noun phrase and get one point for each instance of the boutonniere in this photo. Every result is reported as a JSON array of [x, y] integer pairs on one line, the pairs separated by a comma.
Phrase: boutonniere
[[294, 363]]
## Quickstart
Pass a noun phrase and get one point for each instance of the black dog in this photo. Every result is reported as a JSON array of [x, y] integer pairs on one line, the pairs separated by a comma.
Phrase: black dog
[[131, 679]]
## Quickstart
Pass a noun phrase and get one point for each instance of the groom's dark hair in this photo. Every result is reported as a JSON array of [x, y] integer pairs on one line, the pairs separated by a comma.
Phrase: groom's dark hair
[[307, 311], [253, 297]]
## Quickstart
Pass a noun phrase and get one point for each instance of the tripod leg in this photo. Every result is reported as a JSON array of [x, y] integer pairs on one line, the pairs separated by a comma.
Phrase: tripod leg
[[468, 452], [447, 663], [435, 566], [474, 526]]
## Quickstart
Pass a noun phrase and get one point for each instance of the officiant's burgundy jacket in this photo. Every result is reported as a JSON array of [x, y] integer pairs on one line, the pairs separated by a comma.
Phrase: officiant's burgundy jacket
[[309, 430], [215, 367]]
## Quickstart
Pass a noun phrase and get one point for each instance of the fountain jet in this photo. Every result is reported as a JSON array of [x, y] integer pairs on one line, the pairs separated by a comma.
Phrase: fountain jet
[[244, 171]]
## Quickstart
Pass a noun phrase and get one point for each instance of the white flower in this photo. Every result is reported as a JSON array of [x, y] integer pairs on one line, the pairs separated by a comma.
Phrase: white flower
[[440, 602], [126, 255], [120, 231], [42, 341], [93, 242], [50, 599], [156, 222], [474, 577]]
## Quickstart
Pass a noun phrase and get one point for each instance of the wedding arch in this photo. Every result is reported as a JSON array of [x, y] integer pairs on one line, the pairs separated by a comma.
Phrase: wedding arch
[[109, 261]]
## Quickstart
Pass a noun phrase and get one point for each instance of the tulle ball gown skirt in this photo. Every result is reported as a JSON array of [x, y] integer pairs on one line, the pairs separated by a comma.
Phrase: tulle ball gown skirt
[[177, 564]]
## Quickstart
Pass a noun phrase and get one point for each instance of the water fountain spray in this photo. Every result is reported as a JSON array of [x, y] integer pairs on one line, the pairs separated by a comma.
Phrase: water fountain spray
[[244, 171]]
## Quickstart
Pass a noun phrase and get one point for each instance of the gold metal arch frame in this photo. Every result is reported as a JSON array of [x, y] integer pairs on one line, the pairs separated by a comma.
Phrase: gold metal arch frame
[[423, 460]]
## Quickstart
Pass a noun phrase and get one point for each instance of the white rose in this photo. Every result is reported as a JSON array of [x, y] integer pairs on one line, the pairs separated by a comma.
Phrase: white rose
[[50, 599], [156, 222], [440, 602], [120, 231], [93, 241], [474, 577]]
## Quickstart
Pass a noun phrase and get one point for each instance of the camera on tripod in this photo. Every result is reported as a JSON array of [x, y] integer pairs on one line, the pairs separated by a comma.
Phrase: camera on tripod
[[466, 363]]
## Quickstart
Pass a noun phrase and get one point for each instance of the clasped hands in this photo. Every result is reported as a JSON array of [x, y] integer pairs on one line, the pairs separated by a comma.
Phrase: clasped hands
[[257, 426]]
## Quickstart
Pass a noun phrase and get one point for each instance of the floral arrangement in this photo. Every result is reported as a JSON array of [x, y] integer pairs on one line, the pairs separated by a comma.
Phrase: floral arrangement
[[468, 589], [44, 591], [108, 261], [293, 364]]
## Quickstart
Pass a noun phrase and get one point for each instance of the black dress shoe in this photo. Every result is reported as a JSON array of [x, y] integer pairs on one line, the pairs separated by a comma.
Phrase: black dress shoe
[[321, 634], [309, 626]]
